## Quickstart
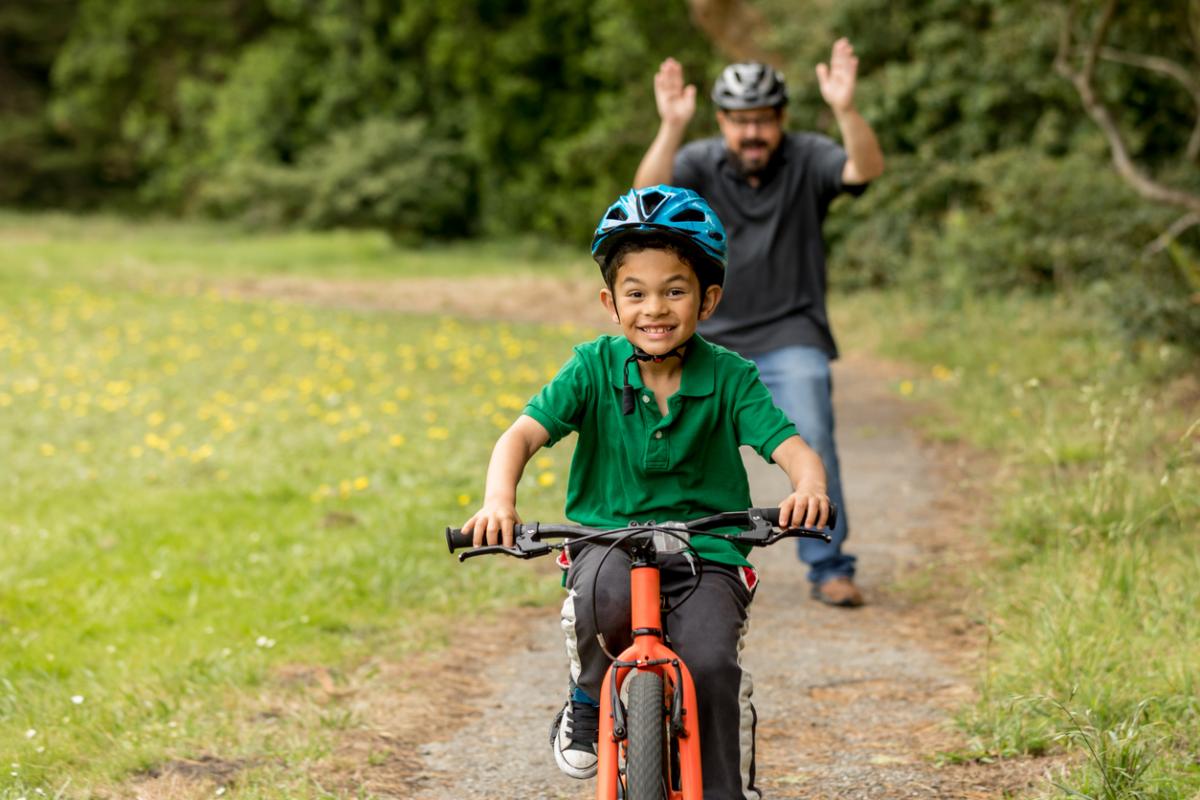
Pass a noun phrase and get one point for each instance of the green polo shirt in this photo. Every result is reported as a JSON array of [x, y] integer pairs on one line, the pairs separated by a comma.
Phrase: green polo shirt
[[644, 466]]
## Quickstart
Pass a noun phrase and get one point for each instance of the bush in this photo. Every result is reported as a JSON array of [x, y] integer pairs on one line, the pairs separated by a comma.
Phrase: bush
[[1020, 220], [380, 174]]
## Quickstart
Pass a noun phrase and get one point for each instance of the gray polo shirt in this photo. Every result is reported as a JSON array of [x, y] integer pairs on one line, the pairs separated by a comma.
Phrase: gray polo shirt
[[775, 285]]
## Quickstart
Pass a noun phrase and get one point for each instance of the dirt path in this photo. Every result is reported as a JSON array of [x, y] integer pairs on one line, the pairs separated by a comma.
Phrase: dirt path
[[852, 703]]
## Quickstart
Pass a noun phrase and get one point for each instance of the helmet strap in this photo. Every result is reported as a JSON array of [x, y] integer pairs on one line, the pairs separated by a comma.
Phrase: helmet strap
[[627, 398]]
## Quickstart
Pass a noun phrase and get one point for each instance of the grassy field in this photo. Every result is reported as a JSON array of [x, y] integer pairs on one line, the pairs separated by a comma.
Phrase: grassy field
[[201, 492], [198, 490], [1091, 601]]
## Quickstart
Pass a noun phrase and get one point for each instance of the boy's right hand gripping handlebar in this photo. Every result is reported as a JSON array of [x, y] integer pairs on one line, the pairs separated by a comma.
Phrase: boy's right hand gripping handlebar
[[456, 539]]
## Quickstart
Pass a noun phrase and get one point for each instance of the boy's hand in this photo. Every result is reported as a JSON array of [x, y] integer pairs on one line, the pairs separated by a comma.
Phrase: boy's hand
[[493, 524], [804, 509]]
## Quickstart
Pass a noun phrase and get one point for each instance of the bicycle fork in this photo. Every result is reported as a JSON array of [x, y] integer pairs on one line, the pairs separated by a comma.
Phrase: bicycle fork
[[649, 653]]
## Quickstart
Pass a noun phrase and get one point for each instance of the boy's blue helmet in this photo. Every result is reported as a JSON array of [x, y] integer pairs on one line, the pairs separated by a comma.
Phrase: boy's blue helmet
[[680, 214]]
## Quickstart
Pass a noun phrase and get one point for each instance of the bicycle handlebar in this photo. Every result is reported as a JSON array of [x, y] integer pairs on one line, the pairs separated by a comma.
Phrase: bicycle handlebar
[[527, 537]]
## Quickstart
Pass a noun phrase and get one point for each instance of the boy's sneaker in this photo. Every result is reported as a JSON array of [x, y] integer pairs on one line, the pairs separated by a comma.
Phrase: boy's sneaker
[[573, 737]]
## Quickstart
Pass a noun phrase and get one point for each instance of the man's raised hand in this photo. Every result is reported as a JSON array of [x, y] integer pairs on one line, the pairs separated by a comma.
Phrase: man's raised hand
[[837, 79], [676, 102]]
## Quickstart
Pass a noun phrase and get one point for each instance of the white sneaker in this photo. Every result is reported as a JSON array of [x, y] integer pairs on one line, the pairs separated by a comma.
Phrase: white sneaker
[[573, 737]]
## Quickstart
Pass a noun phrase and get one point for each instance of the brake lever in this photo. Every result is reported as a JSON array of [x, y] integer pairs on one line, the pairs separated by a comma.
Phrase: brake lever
[[760, 531], [487, 550], [524, 546], [807, 533]]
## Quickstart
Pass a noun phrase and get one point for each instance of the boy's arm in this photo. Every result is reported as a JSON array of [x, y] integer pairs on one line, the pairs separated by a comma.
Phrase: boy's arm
[[494, 522], [807, 505]]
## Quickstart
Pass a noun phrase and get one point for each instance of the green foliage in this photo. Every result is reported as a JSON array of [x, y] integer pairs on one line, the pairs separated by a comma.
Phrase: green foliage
[[997, 179], [505, 116], [381, 175]]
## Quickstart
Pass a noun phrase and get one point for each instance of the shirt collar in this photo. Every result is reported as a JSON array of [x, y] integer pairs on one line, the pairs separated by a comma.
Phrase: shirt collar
[[699, 368]]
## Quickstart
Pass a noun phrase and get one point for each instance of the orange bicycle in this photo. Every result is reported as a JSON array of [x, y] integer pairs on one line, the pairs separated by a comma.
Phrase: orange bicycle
[[649, 746]]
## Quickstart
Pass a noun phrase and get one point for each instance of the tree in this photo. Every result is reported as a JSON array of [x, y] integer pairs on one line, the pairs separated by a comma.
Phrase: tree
[[1077, 62]]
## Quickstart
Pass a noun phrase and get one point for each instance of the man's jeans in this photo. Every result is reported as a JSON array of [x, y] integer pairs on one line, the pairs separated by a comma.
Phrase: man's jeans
[[800, 381]]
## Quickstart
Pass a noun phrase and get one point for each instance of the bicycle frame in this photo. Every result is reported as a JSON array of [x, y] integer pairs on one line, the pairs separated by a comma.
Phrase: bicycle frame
[[648, 652]]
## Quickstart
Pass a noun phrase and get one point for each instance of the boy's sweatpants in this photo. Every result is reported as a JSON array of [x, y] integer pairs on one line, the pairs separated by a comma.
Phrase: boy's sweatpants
[[707, 631]]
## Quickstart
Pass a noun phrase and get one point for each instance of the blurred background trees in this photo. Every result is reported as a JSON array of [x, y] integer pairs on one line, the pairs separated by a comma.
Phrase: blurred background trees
[[499, 117]]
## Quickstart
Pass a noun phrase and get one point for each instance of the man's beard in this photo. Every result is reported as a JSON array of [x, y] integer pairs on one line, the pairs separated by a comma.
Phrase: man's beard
[[757, 163]]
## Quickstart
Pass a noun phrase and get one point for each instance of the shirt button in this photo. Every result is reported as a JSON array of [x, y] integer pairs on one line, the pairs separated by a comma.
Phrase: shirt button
[[645, 398], [658, 434]]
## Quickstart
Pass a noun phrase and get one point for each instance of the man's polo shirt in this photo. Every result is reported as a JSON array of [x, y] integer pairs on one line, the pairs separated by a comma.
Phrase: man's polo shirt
[[644, 466], [775, 284]]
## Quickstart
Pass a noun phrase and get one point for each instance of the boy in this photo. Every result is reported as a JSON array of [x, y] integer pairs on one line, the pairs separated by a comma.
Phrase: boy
[[659, 441]]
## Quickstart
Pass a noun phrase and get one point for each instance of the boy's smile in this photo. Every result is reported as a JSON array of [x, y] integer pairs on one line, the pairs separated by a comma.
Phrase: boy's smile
[[656, 300]]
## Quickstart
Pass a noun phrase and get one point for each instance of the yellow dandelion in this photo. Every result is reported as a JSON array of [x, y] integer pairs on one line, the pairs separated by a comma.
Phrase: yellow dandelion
[[906, 388], [941, 373], [47, 449], [510, 401], [439, 433], [543, 462], [546, 479], [464, 500], [397, 440], [361, 483]]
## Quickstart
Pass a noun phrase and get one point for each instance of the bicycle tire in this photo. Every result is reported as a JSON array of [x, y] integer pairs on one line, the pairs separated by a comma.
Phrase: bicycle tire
[[645, 719]]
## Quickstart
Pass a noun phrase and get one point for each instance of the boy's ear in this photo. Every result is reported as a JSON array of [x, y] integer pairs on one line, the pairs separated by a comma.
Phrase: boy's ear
[[610, 303], [708, 303]]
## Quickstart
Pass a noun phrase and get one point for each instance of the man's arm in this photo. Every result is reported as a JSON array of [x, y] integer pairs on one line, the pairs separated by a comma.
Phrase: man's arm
[[494, 521], [676, 105], [864, 158]]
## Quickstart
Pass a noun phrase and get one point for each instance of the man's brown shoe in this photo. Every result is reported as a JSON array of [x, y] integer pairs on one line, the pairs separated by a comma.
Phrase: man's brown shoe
[[839, 591]]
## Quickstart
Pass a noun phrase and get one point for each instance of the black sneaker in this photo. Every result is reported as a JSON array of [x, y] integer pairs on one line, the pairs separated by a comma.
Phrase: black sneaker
[[573, 737]]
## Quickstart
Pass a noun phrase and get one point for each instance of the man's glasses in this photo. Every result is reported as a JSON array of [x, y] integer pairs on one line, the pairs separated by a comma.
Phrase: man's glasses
[[760, 121]]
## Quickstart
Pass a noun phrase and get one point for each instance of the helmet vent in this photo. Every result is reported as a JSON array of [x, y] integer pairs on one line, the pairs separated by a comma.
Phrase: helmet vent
[[617, 213], [689, 215], [650, 202]]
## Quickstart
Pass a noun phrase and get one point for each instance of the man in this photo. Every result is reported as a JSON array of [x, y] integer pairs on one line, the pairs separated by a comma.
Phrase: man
[[771, 190]]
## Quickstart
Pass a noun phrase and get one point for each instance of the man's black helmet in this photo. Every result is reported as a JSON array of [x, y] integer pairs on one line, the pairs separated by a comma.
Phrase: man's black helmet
[[749, 85]]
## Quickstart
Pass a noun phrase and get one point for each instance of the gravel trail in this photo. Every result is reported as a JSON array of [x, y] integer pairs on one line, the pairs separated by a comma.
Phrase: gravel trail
[[851, 703]]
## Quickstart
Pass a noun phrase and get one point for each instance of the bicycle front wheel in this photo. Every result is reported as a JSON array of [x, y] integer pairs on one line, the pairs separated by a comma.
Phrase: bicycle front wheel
[[646, 721]]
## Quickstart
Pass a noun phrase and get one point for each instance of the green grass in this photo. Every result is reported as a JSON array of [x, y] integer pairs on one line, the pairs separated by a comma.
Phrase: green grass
[[201, 493], [1092, 597], [197, 491], [87, 248]]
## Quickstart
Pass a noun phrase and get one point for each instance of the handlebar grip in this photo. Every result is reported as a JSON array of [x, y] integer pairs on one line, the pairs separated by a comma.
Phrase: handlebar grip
[[456, 539], [771, 515]]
